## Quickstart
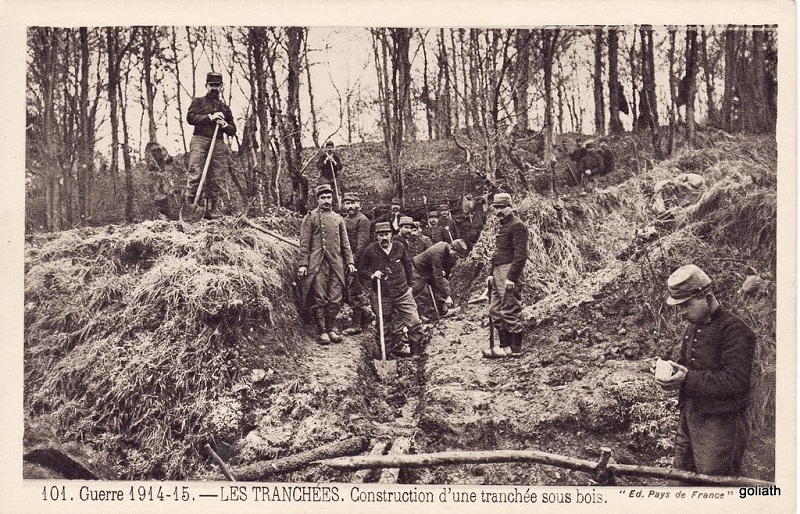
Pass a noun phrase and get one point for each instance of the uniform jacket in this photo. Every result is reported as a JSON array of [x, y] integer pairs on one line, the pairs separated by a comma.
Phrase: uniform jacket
[[324, 166], [323, 235], [511, 246], [199, 110], [358, 233], [435, 264], [416, 245], [446, 230], [718, 351], [396, 267]]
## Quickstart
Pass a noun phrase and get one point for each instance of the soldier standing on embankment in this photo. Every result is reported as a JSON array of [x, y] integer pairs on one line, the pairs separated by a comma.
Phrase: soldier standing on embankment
[[205, 114]]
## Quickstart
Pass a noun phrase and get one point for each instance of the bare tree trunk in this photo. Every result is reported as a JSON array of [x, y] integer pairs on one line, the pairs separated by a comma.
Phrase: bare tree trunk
[[762, 122], [673, 87], [549, 45], [522, 39], [732, 38], [126, 149], [313, 111], [148, 40], [426, 96], [634, 87], [85, 154], [649, 102], [467, 109], [292, 141], [179, 88], [456, 117], [599, 104], [691, 79], [708, 69], [615, 125]]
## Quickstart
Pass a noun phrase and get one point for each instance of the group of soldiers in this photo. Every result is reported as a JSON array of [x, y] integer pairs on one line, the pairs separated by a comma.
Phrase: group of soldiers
[[351, 257], [343, 259]]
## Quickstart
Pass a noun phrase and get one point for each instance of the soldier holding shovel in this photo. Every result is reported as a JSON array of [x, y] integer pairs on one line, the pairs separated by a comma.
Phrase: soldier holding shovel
[[209, 115], [329, 165], [388, 261]]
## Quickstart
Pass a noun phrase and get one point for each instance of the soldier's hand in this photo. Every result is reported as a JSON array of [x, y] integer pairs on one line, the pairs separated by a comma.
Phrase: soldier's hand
[[510, 285], [674, 382], [217, 116], [448, 301], [222, 123], [302, 271], [378, 275], [351, 268]]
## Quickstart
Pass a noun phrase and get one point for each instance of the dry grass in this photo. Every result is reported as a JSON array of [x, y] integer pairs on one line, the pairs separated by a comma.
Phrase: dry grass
[[131, 335]]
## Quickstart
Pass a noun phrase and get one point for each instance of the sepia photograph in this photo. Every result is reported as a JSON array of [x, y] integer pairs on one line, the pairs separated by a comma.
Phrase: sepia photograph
[[359, 260]]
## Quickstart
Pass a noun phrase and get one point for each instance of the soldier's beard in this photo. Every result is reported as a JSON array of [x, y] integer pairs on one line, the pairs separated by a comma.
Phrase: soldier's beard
[[325, 206], [385, 243], [351, 211], [214, 93]]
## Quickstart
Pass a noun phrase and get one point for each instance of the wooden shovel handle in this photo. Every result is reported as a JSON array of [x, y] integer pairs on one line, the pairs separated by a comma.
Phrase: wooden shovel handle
[[205, 168], [380, 321]]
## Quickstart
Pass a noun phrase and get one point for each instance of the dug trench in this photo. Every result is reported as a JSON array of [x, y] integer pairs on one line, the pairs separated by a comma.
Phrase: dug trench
[[146, 342]]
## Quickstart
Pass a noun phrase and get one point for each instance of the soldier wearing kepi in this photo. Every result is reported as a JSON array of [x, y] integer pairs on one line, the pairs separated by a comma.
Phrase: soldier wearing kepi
[[388, 261], [358, 228], [712, 374], [447, 225], [432, 270], [414, 243], [206, 113], [508, 261], [324, 252]]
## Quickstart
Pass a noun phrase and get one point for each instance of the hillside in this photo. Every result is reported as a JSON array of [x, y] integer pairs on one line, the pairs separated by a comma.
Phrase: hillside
[[145, 342]]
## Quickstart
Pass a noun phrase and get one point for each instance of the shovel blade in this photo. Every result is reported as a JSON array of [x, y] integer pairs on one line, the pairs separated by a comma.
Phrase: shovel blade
[[190, 213], [387, 370]]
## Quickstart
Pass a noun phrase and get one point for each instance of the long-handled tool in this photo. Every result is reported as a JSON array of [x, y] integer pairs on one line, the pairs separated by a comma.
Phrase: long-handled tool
[[192, 212], [386, 370], [336, 188], [490, 353], [435, 305]]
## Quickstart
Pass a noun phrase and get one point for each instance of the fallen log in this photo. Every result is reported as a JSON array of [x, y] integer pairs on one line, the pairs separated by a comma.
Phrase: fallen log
[[399, 447], [422, 460], [260, 470], [361, 476]]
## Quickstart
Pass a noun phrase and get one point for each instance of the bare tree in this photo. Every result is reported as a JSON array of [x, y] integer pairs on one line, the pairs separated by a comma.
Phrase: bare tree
[[691, 83], [599, 103], [614, 86]]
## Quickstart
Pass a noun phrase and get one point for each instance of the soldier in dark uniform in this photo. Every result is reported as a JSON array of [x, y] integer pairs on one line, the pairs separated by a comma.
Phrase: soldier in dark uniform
[[388, 261], [205, 113], [358, 228], [712, 375], [324, 252], [508, 261], [329, 165], [414, 244], [432, 269], [448, 231]]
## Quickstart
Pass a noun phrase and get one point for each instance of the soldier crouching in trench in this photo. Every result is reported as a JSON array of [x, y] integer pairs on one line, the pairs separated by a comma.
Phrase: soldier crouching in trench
[[712, 375], [324, 252]]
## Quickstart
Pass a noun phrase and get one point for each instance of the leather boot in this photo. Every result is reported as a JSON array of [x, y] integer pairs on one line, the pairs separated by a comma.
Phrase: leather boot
[[367, 317], [502, 349], [415, 339], [516, 344], [355, 321], [330, 327], [319, 319]]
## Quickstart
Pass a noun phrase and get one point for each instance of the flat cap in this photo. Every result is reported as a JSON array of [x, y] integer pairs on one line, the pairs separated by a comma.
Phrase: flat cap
[[686, 282], [395, 201], [406, 220]]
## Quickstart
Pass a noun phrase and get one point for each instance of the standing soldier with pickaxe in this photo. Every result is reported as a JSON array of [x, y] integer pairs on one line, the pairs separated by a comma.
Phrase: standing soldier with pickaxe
[[329, 165], [324, 252], [209, 115]]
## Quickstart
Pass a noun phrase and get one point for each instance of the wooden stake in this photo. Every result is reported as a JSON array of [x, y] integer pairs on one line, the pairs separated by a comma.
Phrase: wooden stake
[[219, 462], [400, 446], [360, 476]]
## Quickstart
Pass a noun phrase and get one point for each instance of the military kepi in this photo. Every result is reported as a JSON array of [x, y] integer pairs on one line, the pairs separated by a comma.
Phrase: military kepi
[[685, 283], [323, 188], [501, 200], [406, 220], [214, 79], [383, 226], [353, 197]]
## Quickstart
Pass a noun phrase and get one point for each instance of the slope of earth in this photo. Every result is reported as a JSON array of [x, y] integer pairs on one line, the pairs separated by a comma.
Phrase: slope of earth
[[594, 287]]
